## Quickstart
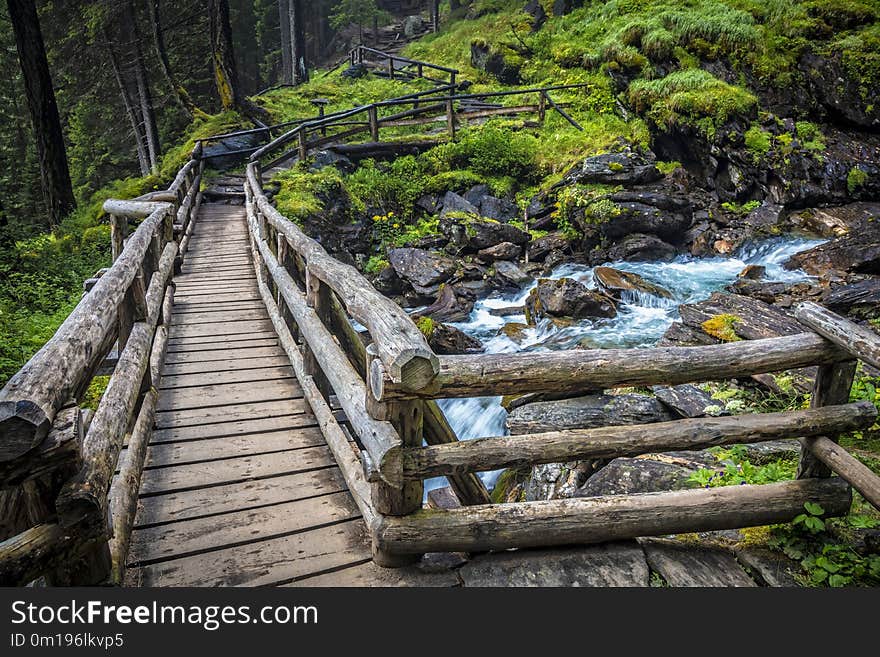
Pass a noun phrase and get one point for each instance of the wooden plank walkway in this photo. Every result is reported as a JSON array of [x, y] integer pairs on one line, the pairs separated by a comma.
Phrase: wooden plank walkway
[[239, 486]]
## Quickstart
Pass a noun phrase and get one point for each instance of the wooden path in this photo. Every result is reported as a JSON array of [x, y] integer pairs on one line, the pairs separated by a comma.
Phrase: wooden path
[[239, 486]]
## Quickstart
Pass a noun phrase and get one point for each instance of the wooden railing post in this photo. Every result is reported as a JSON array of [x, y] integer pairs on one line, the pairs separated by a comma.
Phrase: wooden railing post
[[408, 419], [542, 106], [303, 146], [832, 386], [317, 297], [373, 114], [391, 67]]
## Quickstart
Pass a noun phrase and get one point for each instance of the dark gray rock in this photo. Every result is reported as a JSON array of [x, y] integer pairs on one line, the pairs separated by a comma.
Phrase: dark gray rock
[[452, 202], [323, 159], [654, 213], [511, 273], [472, 233], [768, 567], [502, 251], [625, 169], [589, 411], [424, 270], [615, 282], [609, 564], [453, 304], [639, 247], [693, 565], [566, 297], [484, 58], [539, 249], [221, 155], [627, 476], [685, 400], [857, 252], [448, 340], [864, 293]]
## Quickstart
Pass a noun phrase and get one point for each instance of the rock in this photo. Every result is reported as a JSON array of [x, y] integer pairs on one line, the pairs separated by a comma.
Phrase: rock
[[857, 252], [627, 476], [836, 221], [413, 26], [766, 292], [843, 94], [448, 340], [864, 293], [679, 334], [515, 331], [693, 565], [753, 272], [498, 208], [484, 58], [585, 412], [424, 270], [535, 9], [685, 400], [501, 251], [329, 158], [430, 203], [539, 249], [507, 311], [615, 282], [511, 273], [568, 298], [388, 282], [625, 169], [772, 450], [356, 71], [609, 564], [451, 305], [453, 202], [472, 233], [768, 566], [754, 319], [640, 248], [653, 213]]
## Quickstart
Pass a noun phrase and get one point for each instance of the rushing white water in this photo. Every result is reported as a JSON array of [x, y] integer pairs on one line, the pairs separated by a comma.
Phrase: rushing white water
[[642, 319]]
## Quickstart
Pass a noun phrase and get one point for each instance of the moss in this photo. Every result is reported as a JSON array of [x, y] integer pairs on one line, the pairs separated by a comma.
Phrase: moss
[[300, 191], [668, 167], [810, 136], [722, 327], [426, 325], [855, 179], [758, 141], [375, 264]]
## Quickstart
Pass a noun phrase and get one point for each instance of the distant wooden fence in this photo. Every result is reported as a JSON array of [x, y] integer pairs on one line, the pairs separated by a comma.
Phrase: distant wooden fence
[[69, 478]]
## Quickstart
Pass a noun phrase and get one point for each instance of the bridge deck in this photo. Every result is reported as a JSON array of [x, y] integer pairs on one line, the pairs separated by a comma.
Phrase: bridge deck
[[239, 487]]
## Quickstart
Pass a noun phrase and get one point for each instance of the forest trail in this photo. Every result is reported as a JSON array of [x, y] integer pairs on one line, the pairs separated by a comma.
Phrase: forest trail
[[239, 487]]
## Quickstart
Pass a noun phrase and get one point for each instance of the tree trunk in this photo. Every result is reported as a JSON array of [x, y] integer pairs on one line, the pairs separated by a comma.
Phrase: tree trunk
[[55, 174], [151, 132], [130, 109], [223, 54], [298, 42], [286, 49], [180, 93]]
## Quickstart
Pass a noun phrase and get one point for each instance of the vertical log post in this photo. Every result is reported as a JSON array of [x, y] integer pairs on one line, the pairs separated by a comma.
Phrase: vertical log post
[[408, 420], [303, 147], [542, 106], [833, 385], [391, 67], [317, 297], [373, 113], [450, 118]]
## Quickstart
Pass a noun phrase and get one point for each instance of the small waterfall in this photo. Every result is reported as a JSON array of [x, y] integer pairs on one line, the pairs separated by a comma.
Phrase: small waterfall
[[642, 319]]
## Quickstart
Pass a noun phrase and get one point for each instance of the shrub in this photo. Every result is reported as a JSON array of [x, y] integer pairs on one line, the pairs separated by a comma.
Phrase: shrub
[[855, 179]]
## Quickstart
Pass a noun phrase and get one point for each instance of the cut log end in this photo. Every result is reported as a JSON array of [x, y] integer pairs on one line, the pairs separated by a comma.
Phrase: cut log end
[[23, 426], [415, 372]]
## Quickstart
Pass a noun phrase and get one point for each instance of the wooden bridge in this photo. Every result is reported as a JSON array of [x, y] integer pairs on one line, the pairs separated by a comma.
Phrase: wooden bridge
[[251, 434]]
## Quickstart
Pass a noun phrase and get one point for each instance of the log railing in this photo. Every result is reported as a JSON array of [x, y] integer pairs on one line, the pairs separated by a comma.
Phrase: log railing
[[398, 66], [76, 474], [400, 437]]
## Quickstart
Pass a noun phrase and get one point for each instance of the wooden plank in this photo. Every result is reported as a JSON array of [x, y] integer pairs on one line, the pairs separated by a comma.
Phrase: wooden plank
[[225, 365], [219, 298], [231, 306], [238, 376], [267, 562], [212, 342], [208, 449], [223, 355], [205, 502], [369, 574], [183, 331], [294, 418], [231, 413], [215, 316], [181, 539], [227, 471], [228, 394]]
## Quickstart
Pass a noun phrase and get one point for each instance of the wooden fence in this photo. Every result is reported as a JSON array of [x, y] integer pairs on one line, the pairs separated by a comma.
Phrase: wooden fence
[[69, 478]]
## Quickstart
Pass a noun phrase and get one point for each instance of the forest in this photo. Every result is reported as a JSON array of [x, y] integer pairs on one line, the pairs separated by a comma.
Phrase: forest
[[615, 175]]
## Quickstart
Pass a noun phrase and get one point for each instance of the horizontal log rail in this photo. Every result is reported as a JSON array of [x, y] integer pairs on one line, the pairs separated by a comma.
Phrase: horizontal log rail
[[574, 371], [484, 454]]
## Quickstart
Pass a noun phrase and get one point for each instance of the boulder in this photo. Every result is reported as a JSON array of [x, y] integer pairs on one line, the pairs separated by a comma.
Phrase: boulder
[[568, 298], [625, 169], [753, 319], [501, 251], [511, 273], [753, 272], [585, 412], [452, 202], [223, 154], [539, 249], [857, 252], [485, 58], [639, 247], [663, 215], [448, 340], [627, 476], [685, 400], [836, 221], [413, 26], [388, 282], [514, 330], [424, 270], [472, 233], [863, 294], [329, 158], [615, 282]]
